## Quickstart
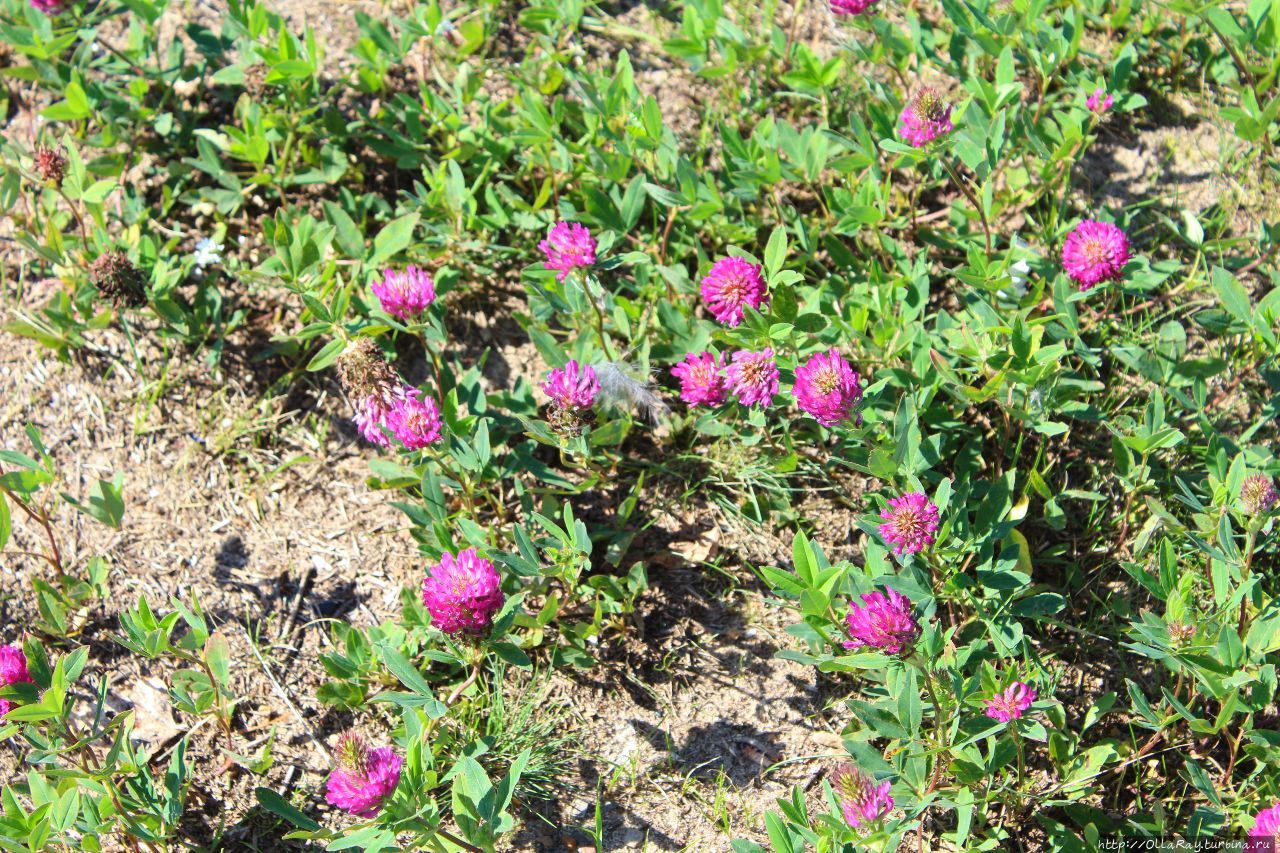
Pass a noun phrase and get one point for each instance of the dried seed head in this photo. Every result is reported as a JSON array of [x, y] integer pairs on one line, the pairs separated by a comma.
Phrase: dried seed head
[[50, 164], [118, 279], [568, 421], [364, 373], [255, 80]]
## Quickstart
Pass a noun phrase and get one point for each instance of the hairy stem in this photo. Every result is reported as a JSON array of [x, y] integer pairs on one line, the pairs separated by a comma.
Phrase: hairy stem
[[973, 199]]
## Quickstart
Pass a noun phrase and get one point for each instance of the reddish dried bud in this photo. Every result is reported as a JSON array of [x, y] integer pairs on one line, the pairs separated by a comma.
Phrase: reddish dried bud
[[255, 80], [1181, 634], [118, 279], [50, 164], [569, 421]]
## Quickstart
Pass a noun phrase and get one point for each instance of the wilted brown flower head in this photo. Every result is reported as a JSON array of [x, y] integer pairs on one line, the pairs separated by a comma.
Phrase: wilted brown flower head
[[118, 279], [255, 80], [566, 421], [364, 372]]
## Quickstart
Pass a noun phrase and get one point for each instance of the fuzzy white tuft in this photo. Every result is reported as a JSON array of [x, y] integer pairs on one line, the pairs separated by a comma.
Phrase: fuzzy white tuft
[[621, 388]]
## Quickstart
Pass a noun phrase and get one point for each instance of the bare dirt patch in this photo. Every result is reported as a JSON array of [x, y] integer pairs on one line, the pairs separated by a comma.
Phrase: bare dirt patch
[[1178, 157], [682, 725], [272, 541], [685, 736]]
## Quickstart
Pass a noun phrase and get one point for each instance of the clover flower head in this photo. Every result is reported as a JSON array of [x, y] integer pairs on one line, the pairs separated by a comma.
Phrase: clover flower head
[[363, 777], [573, 390], [373, 411], [118, 279], [731, 285], [49, 7], [208, 253], [404, 293], [414, 419], [909, 523], [1181, 634], [1258, 494], [255, 80], [827, 387], [882, 623], [862, 800], [1012, 702], [925, 117], [373, 388], [462, 593], [851, 7], [1266, 824], [701, 382], [1100, 101], [1095, 252], [573, 386], [753, 377], [13, 670], [569, 246]]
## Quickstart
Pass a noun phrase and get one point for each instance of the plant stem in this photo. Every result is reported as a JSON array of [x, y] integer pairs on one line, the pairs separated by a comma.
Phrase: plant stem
[[281, 171], [968, 193], [84, 232], [470, 680], [54, 556], [220, 714], [453, 839], [940, 727], [434, 359], [599, 317], [1022, 766], [1249, 543]]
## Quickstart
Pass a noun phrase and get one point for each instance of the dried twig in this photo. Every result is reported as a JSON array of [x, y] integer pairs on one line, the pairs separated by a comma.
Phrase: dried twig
[[284, 696]]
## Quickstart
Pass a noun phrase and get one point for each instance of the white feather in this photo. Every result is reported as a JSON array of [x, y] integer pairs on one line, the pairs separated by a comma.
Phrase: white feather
[[622, 389]]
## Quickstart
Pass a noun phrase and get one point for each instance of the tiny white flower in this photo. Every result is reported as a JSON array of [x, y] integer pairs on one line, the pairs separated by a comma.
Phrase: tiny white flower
[[1018, 275], [1018, 272], [207, 253]]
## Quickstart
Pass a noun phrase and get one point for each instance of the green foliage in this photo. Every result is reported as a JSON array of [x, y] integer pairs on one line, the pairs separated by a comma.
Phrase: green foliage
[[1085, 450]]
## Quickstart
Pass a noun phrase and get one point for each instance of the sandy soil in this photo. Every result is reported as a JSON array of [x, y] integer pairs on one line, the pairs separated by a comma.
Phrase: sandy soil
[[681, 722]]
